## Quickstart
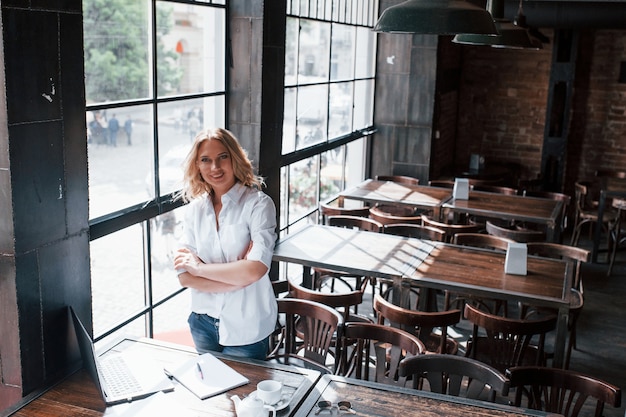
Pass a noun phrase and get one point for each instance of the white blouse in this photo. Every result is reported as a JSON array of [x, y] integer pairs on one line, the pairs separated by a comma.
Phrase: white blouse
[[249, 314]]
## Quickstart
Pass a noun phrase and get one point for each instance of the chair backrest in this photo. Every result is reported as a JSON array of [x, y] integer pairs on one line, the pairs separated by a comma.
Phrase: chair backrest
[[450, 229], [388, 214], [416, 231], [419, 323], [280, 287], [480, 240], [355, 222], [441, 183], [564, 198], [558, 251], [388, 345], [517, 235], [402, 179], [508, 341], [341, 301], [562, 391], [335, 208], [582, 196], [495, 189], [455, 375], [319, 324]]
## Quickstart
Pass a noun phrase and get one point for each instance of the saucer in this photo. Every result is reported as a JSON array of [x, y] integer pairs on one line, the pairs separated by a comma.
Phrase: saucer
[[280, 405]]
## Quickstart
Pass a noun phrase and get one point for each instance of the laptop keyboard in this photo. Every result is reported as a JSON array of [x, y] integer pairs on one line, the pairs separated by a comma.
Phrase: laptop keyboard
[[117, 376]]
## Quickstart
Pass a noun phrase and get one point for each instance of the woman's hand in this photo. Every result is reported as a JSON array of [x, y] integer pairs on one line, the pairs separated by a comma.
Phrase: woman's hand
[[187, 260]]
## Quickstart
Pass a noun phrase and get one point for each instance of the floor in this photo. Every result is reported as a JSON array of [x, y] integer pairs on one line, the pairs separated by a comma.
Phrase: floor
[[601, 327]]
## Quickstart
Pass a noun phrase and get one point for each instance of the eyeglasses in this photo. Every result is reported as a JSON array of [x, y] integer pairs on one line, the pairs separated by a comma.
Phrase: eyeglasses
[[342, 406]]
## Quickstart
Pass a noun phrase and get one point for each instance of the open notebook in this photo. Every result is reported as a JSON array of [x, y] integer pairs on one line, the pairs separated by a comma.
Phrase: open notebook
[[206, 375], [120, 377]]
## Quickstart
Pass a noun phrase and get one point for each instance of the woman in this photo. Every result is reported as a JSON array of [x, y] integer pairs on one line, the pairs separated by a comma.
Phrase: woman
[[228, 243]]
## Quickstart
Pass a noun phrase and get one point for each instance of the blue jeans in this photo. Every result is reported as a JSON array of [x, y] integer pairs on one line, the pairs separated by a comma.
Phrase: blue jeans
[[205, 334]]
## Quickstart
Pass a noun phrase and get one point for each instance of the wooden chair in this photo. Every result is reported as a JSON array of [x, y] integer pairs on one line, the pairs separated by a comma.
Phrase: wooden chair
[[389, 214], [420, 324], [416, 231], [507, 341], [441, 183], [480, 240], [561, 391], [586, 212], [382, 347], [355, 222], [455, 375], [477, 240], [515, 234], [361, 223], [563, 198], [576, 256], [566, 252], [323, 276], [336, 208], [616, 237], [346, 303], [402, 179], [495, 189], [450, 229], [318, 323]]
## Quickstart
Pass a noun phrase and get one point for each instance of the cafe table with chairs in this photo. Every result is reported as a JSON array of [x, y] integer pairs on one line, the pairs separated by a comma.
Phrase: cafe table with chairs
[[407, 262]]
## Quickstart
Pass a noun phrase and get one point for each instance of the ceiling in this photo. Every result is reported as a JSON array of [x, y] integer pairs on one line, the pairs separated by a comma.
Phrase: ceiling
[[576, 14]]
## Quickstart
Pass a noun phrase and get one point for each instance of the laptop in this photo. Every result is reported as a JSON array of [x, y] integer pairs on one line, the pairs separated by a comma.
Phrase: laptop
[[119, 376]]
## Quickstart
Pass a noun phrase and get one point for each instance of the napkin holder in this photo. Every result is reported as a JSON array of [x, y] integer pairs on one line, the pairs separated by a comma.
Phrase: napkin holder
[[461, 189], [516, 259]]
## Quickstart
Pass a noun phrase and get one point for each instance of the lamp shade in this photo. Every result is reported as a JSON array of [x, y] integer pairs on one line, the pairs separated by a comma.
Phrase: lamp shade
[[440, 17], [510, 36]]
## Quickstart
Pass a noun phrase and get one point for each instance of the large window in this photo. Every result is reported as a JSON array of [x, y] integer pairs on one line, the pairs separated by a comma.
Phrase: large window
[[329, 95], [155, 74]]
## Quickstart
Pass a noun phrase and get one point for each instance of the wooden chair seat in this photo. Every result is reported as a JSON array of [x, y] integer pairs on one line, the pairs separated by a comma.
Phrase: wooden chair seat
[[561, 391], [455, 375]]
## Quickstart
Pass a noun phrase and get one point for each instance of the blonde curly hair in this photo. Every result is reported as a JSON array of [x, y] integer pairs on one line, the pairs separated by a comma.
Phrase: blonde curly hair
[[193, 184]]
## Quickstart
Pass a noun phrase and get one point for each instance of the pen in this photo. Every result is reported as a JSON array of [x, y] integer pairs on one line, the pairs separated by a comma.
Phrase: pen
[[200, 370]]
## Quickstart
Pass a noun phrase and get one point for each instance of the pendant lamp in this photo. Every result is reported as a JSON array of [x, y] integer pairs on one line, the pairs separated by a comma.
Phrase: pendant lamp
[[440, 17], [510, 35]]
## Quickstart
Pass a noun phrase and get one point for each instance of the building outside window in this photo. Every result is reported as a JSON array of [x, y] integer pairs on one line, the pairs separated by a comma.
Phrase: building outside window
[[330, 56], [155, 74]]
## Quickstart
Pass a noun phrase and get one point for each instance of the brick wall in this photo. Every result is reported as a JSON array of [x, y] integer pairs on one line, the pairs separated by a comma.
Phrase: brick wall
[[598, 129], [502, 105]]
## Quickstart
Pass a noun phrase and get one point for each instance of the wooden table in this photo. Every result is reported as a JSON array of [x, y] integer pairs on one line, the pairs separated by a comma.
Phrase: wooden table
[[541, 211], [407, 261], [77, 395], [374, 399], [389, 192]]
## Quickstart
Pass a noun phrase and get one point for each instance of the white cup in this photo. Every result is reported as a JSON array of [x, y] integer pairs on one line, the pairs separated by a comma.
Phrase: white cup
[[269, 391]]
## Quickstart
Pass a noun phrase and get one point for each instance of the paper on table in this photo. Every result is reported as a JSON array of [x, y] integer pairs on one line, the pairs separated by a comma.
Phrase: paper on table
[[206, 376]]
